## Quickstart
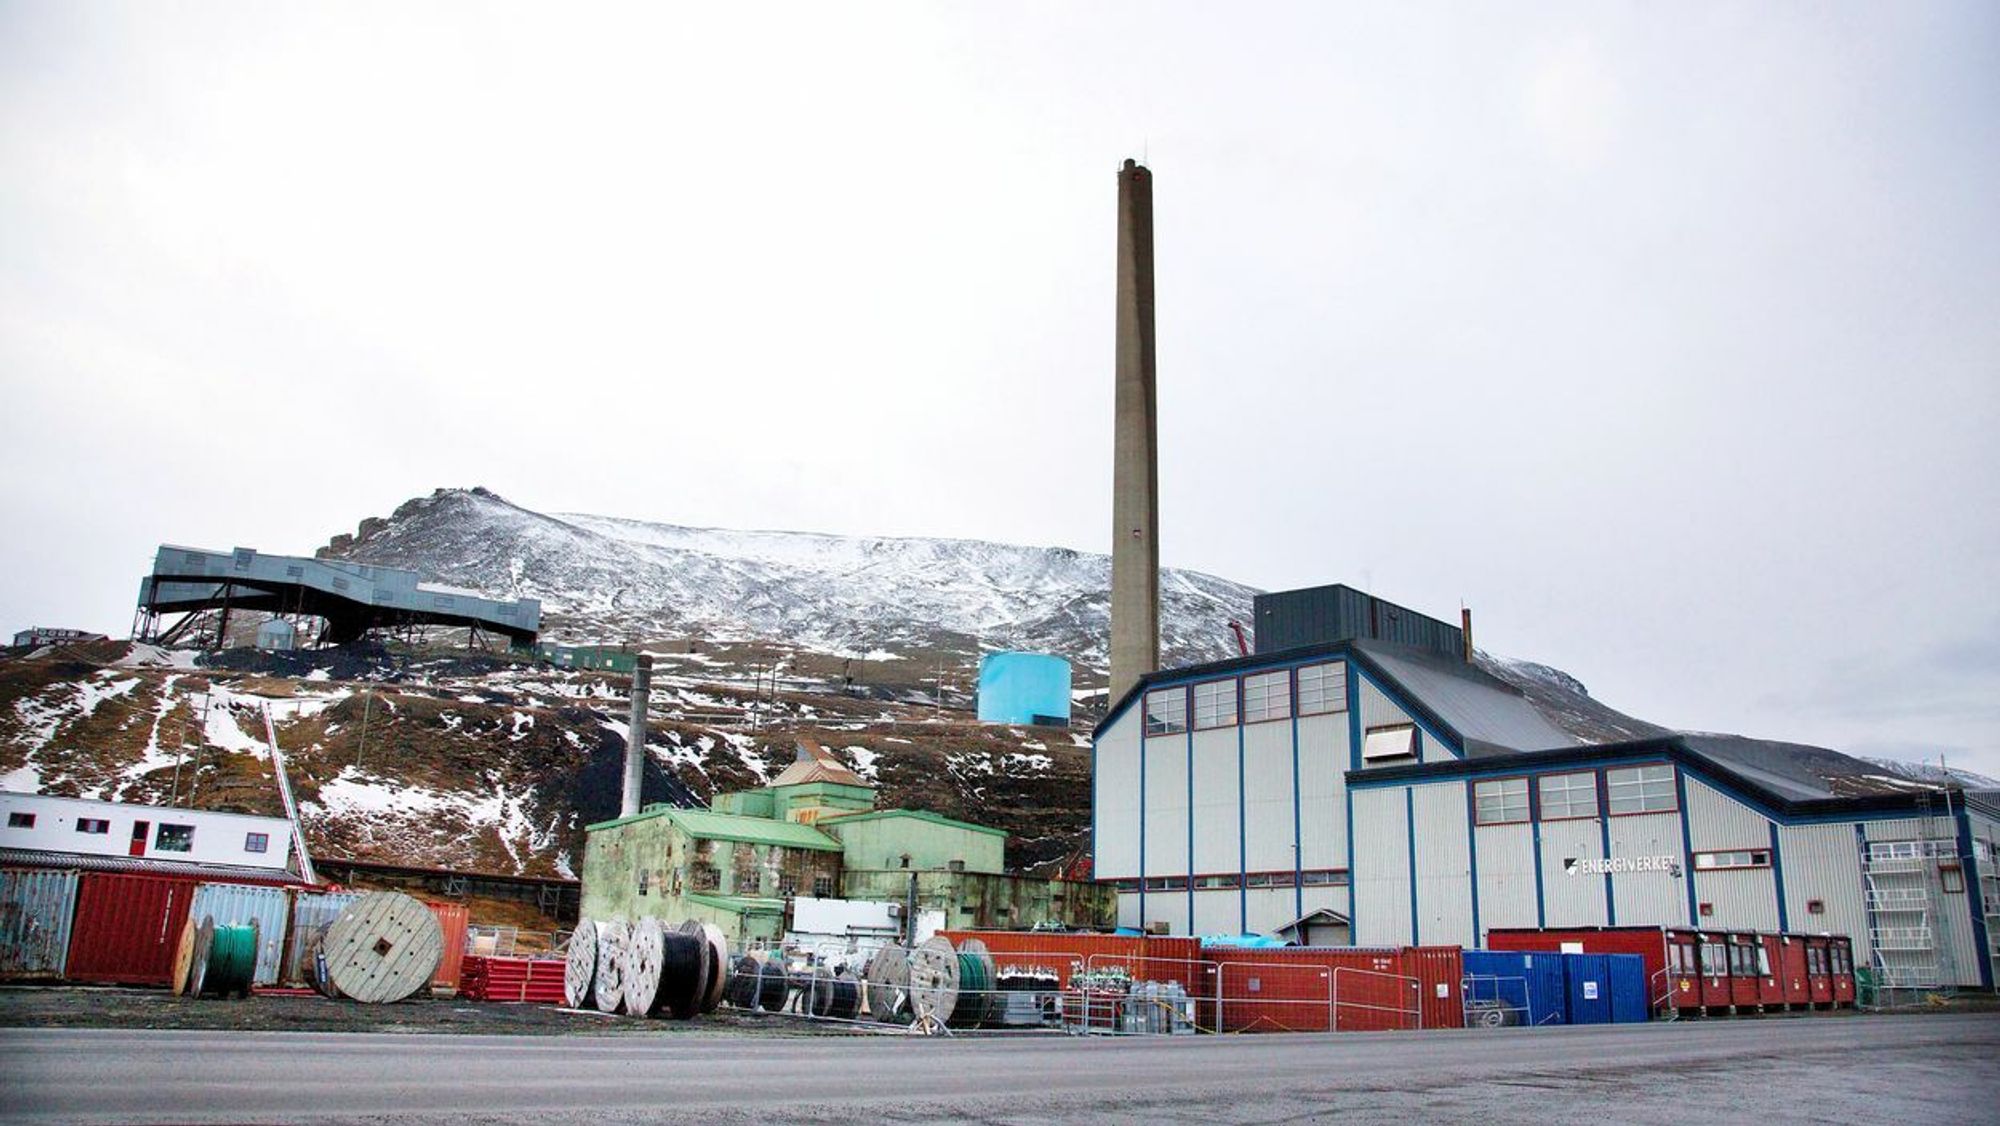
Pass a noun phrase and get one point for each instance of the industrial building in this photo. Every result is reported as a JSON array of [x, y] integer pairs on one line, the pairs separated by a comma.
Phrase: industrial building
[[1364, 763], [50, 635], [349, 598], [814, 832]]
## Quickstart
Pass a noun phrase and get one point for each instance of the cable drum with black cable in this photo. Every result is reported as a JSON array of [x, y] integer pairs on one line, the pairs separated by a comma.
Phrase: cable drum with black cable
[[682, 979], [846, 997]]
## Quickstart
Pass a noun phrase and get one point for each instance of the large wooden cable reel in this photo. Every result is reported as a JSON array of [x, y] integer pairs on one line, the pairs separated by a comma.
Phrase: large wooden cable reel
[[612, 936], [718, 948], [888, 980], [384, 947], [933, 980], [643, 949], [183, 958], [204, 941], [580, 972]]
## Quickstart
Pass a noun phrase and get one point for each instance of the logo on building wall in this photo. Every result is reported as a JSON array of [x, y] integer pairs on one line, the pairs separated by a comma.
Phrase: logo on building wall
[[1617, 865]]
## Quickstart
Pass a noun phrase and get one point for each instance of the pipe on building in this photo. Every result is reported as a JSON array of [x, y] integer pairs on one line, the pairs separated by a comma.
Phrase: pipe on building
[[635, 735]]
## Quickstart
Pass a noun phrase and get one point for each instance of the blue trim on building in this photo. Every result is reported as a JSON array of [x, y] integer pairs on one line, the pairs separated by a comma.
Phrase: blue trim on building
[[1242, 846], [1298, 819], [1541, 895], [1974, 897], [1352, 688], [1777, 877], [1472, 864], [1604, 836], [1410, 829], [1687, 845]]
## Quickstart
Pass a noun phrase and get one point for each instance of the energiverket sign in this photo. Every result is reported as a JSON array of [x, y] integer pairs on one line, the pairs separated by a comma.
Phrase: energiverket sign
[[1604, 866]]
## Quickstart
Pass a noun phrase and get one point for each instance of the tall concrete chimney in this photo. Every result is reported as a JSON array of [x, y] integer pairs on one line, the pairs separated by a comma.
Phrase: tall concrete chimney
[[635, 736], [1135, 505]]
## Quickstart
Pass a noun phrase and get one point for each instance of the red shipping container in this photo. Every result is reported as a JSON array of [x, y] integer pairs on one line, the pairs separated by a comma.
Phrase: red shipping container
[[1440, 973], [1649, 943], [1819, 969], [128, 928], [452, 917]]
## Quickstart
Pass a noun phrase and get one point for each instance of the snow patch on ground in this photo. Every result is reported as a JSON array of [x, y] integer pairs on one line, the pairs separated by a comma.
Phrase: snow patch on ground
[[24, 779], [865, 759]]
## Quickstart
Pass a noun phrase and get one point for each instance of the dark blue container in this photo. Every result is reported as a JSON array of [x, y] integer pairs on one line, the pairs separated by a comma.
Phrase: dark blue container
[[1525, 988], [1630, 1003], [1589, 980]]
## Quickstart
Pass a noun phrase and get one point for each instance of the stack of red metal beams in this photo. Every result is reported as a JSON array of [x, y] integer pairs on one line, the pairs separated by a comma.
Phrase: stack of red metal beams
[[535, 980]]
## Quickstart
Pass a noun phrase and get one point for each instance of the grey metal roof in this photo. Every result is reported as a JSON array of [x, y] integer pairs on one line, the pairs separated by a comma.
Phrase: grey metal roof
[[1491, 716], [143, 866]]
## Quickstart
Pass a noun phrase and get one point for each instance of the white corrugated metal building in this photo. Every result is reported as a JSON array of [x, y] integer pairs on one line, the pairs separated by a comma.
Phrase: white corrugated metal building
[[1427, 797]]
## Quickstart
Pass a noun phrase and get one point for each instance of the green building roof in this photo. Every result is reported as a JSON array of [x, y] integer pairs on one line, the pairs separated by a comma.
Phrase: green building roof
[[918, 814], [710, 825]]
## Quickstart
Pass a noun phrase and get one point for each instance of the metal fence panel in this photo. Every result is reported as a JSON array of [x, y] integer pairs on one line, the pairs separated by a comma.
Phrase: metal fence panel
[[312, 913], [36, 909]]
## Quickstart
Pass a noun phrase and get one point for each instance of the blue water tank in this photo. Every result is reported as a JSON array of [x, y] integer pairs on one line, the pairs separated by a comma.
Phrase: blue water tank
[[1024, 688]]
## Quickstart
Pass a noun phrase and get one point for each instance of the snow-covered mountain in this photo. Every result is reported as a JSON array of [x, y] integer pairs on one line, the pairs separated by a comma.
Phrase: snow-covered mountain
[[604, 578]]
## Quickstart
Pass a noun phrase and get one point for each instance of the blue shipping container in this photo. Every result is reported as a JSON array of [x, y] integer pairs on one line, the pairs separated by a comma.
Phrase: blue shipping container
[[1529, 988], [1589, 977], [1630, 1003]]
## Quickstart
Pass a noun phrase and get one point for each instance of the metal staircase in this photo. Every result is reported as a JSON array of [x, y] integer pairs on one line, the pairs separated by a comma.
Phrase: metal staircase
[[1909, 936]]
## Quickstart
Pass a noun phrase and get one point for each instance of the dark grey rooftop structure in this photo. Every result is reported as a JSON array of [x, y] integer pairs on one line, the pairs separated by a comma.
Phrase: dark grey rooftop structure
[[352, 598]]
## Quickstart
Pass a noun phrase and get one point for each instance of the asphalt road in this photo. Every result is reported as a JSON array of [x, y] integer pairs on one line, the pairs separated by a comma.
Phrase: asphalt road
[[1903, 1069]]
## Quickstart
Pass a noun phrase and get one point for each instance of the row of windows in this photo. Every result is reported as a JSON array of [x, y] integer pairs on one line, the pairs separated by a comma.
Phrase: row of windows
[[1629, 789], [1257, 698], [1734, 858], [1318, 877], [1747, 957], [166, 838]]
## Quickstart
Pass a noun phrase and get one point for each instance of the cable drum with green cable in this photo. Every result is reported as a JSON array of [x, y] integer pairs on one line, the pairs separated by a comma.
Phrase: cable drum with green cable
[[232, 959]]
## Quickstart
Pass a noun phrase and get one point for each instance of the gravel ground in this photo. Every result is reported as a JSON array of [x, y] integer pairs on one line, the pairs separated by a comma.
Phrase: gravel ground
[[93, 1007]]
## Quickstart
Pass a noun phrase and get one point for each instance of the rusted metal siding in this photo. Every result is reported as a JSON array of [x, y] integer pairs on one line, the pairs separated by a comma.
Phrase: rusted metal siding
[[127, 928], [1323, 762], [1444, 866], [312, 913], [239, 904], [1381, 871], [1506, 875], [1115, 799], [36, 910]]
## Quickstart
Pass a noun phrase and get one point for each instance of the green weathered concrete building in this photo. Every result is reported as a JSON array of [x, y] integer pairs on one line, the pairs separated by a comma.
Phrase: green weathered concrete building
[[815, 831]]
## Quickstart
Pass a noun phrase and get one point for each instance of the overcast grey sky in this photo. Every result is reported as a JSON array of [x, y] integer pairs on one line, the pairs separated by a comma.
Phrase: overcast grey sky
[[1667, 336]]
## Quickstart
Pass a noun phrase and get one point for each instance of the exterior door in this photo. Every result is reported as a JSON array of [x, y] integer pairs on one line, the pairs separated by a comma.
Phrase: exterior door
[[139, 831]]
